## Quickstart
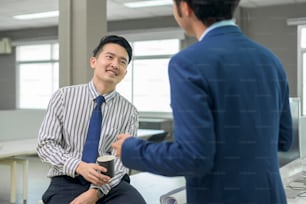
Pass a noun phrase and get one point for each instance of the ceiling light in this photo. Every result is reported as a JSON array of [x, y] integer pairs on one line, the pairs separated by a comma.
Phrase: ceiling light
[[151, 3], [48, 14]]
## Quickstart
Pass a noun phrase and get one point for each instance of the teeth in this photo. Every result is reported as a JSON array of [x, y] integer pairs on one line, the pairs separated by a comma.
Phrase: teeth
[[112, 72]]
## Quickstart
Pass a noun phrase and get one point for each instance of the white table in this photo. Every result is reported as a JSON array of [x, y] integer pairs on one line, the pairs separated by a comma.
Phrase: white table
[[290, 173], [20, 147], [147, 133], [153, 186], [9, 152]]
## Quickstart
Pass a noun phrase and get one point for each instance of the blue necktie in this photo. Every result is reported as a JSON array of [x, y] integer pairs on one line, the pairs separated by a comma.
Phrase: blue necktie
[[90, 150]]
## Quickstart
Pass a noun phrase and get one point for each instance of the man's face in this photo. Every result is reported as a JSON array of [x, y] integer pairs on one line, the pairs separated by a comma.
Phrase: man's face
[[183, 16], [178, 10], [110, 65]]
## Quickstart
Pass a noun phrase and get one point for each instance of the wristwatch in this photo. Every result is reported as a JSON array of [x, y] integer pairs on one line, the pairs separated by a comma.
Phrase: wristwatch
[[99, 193]]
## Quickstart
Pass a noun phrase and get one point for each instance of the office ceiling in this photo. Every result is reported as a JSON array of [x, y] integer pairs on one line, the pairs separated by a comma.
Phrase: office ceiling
[[115, 11]]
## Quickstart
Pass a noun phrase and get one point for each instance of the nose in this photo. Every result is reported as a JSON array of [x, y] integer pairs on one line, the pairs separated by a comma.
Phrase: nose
[[115, 64]]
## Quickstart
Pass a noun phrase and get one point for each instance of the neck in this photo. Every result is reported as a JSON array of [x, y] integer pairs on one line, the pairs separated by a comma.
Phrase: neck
[[200, 32], [198, 28], [103, 88]]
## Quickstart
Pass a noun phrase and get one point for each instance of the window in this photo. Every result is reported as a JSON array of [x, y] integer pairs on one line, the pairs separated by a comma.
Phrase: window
[[302, 64], [38, 74], [146, 84]]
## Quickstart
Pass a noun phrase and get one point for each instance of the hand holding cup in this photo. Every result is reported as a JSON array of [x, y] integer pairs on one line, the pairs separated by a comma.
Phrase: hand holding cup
[[108, 162]]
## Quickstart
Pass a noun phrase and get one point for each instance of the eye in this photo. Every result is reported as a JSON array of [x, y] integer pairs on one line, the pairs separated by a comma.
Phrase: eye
[[123, 62], [109, 57]]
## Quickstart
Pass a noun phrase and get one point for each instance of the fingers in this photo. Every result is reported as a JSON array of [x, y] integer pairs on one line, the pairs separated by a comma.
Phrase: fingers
[[118, 144], [94, 174], [99, 181], [99, 178], [99, 173], [123, 136], [101, 168], [102, 179], [117, 147]]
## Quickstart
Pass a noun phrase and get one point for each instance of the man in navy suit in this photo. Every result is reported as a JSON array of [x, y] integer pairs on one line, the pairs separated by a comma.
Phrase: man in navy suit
[[230, 102]]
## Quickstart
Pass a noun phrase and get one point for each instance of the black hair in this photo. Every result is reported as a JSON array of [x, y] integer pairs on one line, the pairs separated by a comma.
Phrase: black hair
[[211, 11], [116, 40]]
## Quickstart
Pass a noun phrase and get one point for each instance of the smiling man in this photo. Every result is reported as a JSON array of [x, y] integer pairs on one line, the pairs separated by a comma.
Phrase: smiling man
[[75, 178]]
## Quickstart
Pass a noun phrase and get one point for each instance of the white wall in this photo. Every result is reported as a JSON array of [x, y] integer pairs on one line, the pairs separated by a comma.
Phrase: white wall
[[15, 124]]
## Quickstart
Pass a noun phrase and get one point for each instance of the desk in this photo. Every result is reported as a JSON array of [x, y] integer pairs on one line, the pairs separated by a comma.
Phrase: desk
[[14, 148], [153, 186], [293, 172], [148, 133], [8, 152]]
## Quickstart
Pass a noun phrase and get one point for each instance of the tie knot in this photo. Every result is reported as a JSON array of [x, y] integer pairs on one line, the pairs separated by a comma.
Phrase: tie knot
[[100, 100]]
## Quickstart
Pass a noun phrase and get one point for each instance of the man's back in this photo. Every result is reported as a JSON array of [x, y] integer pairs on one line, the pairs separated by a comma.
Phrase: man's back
[[238, 92], [230, 102]]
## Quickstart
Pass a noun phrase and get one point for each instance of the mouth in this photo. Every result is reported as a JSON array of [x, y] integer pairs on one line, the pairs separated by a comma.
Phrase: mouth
[[114, 72]]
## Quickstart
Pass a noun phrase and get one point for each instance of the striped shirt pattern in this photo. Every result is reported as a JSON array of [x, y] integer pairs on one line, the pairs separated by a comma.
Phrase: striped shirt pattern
[[63, 131]]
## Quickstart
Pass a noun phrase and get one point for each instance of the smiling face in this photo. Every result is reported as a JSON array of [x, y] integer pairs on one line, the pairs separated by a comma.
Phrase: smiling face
[[110, 66]]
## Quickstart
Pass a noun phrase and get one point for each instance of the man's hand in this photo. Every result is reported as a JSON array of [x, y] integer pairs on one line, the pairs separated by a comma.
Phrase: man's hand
[[118, 144], [88, 197], [92, 173]]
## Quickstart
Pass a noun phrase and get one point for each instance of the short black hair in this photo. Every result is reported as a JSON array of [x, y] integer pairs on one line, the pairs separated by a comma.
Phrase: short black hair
[[116, 40], [211, 11]]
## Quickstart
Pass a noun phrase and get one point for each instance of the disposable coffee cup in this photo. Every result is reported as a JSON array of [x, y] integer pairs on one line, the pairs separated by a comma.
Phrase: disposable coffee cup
[[107, 161]]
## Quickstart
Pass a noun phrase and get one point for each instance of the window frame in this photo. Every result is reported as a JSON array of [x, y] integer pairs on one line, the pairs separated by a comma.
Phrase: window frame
[[18, 62], [139, 35], [150, 57], [301, 70]]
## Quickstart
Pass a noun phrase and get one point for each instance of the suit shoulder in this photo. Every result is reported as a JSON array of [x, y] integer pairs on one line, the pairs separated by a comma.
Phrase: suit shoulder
[[190, 51]]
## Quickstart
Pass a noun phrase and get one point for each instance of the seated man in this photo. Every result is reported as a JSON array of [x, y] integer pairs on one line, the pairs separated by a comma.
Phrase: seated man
[[76, 178]]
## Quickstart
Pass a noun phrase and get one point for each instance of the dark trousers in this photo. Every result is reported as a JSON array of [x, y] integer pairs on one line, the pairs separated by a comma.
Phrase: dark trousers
[[63, 189]]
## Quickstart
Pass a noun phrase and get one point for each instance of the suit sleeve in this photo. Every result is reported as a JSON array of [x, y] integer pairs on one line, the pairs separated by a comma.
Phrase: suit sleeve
[[193, 150], [286, 130]]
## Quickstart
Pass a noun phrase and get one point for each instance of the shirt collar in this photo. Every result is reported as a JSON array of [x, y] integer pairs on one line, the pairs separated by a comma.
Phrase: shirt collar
[[94, 94], [217, 25]]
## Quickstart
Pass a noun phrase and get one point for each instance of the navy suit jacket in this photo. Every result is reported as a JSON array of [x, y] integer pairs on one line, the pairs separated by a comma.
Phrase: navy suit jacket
[[230, 101]]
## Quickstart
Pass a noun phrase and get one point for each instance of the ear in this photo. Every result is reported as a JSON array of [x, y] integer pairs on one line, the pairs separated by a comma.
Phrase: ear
[[185, 8], [92, 62]]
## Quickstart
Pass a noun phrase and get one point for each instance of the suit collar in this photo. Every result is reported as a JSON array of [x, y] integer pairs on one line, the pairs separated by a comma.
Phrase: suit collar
[[224, 30], [218, 25]]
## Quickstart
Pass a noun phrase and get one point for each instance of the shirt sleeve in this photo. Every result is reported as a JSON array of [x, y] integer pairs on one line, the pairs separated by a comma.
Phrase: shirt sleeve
[[49, 147]]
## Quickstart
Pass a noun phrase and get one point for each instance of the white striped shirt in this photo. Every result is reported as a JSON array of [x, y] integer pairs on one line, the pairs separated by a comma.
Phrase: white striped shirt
[[63, 131]]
